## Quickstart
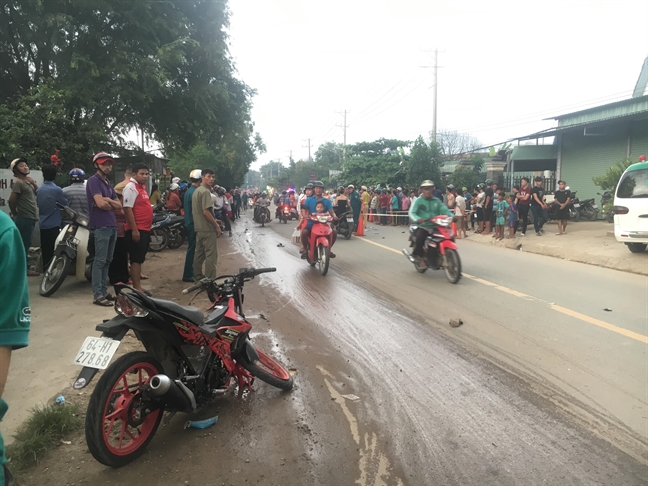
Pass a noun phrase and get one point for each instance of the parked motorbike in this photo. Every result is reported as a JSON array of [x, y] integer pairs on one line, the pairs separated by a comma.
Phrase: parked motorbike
[[607, 202], [439, 247], [176, 232], [320, 240], [72, 254], [159, 238], [189, 361], [588, 209], [345, 225]]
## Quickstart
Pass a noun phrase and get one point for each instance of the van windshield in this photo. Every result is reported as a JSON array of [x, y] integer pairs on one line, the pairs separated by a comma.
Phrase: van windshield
[[633, 184]]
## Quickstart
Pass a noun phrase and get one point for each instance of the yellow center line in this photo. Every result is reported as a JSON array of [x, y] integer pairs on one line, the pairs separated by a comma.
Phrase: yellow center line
[[577, 315]]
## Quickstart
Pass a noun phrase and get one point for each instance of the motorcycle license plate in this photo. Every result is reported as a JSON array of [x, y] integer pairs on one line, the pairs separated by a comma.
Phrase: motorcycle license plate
[[594, 206], [577, 205], [349, 219], [96, 352]]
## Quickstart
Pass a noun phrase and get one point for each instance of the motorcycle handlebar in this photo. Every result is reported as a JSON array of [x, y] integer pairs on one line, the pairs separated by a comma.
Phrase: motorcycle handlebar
[[192, 288]]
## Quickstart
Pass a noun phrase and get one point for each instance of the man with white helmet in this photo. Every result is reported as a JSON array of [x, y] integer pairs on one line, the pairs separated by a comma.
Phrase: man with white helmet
[[196, 179], [173, 202]]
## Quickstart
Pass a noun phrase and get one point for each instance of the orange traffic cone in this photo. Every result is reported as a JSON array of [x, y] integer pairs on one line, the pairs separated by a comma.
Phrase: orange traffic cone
[[360, 230]]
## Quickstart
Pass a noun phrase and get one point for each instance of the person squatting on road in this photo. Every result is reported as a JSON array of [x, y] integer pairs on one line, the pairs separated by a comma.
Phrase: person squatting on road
[[49, 214], [196, 179], [139, 217], [15, 313], [421, 213], [206, 227], [310, 207], [102, 201], [23, 207]]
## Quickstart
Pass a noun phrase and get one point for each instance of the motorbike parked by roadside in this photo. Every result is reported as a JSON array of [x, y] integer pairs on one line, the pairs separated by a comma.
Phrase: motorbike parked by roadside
[[189, 360], [73, 254], [607, 203], [344, 225], [439, 247], [589, 209], [159, 235]]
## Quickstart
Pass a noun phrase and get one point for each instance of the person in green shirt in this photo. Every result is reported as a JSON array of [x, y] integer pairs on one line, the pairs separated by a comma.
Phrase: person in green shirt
[[22, 204], [15, 313], [421, 213], [196, 179]]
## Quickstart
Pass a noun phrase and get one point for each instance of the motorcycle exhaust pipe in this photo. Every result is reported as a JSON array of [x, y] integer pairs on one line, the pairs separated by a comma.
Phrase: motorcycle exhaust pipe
[[173, 394], [408, 255]]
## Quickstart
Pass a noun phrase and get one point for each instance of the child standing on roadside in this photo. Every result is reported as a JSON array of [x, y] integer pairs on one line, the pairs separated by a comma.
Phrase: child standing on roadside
[[512, 217], [501, 207]]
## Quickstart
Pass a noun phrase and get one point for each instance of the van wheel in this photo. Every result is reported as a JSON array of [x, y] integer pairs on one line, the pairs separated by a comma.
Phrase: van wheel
[[637, 247]]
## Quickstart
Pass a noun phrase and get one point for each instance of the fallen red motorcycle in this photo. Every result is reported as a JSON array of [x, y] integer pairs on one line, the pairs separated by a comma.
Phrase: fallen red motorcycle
[[318, 246], [439, 247], [189, 361]]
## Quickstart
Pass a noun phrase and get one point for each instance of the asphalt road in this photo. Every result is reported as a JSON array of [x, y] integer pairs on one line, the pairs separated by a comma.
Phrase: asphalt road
[[540, 383]]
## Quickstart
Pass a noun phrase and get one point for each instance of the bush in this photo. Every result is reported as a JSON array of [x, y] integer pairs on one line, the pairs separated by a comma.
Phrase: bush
[[609, 181]]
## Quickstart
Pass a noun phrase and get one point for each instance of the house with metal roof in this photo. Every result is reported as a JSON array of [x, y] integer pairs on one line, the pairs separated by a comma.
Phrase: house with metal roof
[[588, 142]]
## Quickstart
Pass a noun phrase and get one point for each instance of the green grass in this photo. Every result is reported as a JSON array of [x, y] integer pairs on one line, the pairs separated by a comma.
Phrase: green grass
[[43, 430]]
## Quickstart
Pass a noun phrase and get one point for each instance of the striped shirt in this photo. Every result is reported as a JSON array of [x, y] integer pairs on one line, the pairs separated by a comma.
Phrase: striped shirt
[[77, 199]]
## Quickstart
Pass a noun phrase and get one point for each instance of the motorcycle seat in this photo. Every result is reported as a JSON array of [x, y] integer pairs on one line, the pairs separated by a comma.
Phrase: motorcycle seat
[[192, 314], [214, 320]]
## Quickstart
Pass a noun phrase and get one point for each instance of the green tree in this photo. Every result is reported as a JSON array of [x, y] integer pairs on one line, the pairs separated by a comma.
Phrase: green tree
[[424, 162], [112, 66], [375, 163], [464, 177], [610, 179]]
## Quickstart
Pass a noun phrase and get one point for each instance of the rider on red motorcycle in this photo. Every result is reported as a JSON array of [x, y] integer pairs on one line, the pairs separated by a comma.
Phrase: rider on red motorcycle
[[421, 213], [308, 208]]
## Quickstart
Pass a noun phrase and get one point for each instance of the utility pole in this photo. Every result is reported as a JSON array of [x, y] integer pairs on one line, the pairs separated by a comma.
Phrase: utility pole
[[345, 138], [436, 78], [309, 149]]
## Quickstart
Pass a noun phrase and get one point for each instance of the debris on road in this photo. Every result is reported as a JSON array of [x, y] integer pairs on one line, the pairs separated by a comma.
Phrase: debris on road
[[280, 245], [60, 400], [607, 309], [455, 322], [351, 397], [201, 424]]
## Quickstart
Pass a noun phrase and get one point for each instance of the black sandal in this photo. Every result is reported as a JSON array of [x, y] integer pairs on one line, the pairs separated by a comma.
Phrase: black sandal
[[103, 302]]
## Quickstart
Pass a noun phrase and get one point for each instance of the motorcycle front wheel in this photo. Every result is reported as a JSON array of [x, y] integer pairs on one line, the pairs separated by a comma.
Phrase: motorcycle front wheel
[[574, 215], [270, 371], [159, 240], [592, 214], [452, 266], [176, 239], [58, 269], [323, 258], [118, 427]]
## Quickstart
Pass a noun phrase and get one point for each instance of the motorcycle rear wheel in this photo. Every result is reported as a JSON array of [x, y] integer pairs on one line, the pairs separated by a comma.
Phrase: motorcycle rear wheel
[[270, 371], [592, 214], [53, 277], [159, 240], [323, 253], [117, 398], [452, 266], [176, 239]]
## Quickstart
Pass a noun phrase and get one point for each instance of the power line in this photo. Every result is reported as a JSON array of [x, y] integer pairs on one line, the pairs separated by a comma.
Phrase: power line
[[381, 101]]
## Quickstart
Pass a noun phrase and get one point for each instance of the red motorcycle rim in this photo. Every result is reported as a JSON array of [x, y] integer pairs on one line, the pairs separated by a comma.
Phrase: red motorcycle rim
[[271, 366], [120, 436]]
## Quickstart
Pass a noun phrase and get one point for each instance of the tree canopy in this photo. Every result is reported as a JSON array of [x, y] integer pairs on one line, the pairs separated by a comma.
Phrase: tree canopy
[[81, 75]]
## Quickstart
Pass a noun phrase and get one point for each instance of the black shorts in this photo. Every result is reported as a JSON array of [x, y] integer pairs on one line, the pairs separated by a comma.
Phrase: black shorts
[[487, 214], [480, 214], [137, 250]]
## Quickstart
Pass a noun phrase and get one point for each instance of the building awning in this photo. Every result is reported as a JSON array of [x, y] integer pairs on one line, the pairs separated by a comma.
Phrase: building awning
[[534, 152]]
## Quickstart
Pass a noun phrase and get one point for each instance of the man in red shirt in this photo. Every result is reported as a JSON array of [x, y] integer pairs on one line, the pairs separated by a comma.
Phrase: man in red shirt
[[173, 202], [384, 206], [139, 217]]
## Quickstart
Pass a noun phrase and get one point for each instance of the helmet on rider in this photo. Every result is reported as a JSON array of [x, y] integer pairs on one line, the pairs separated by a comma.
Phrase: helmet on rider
[[77, 175], [102, 158], [318, 184], [195, 175], [175, 180], [174, 187], [308, 186], [488, 182], [284, 192], [264, 194], [481, 185], [427, 183]]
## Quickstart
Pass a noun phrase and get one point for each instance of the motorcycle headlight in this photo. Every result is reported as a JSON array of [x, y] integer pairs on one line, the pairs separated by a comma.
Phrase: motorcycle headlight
[[322, 219], [126, 308]]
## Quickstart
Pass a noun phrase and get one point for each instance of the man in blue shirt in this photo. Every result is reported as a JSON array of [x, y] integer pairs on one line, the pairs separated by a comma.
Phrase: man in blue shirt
[[308, 208], [49, 219]]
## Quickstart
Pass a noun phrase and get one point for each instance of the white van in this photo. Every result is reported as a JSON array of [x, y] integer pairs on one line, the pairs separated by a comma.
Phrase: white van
[[631, 208]]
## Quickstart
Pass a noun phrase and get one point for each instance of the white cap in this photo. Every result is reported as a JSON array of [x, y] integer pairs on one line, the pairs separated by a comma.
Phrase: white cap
[[399, 188], [175, 180], [174, 186], [196, 174], [350, 186]]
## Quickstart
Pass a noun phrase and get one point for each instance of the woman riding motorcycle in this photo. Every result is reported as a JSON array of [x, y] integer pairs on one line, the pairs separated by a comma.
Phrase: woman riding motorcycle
[[421, 213]]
